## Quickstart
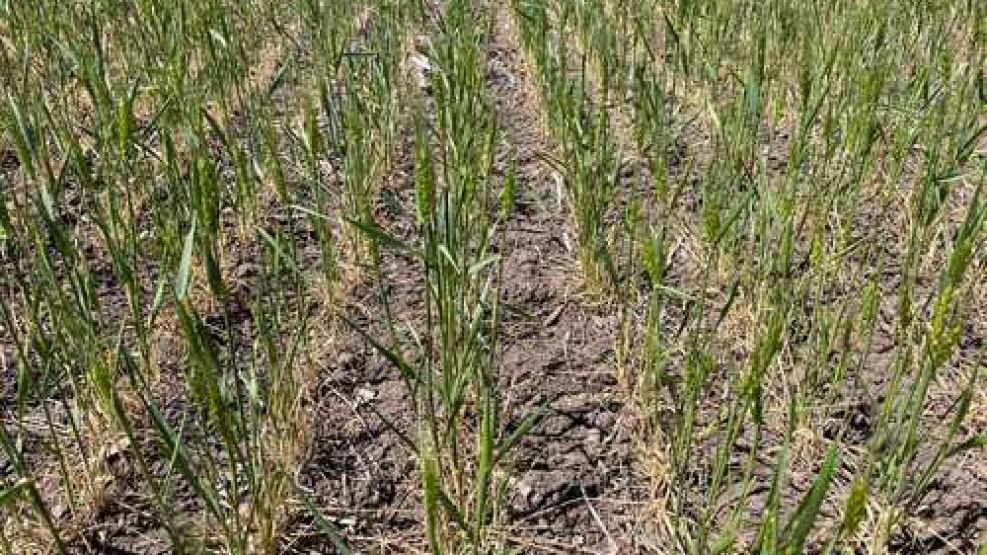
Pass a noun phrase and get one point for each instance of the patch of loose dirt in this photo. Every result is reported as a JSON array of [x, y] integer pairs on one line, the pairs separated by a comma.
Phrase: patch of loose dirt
[[573, 487]]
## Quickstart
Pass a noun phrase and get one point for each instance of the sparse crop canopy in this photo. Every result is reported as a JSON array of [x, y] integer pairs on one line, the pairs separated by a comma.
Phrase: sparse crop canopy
[[493, 276]]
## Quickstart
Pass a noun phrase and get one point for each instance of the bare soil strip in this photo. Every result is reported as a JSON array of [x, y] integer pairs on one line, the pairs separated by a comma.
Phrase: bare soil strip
[[573, 479]]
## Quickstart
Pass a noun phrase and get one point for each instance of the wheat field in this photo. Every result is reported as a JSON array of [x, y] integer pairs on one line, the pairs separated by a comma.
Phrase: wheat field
[[493, 277]]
